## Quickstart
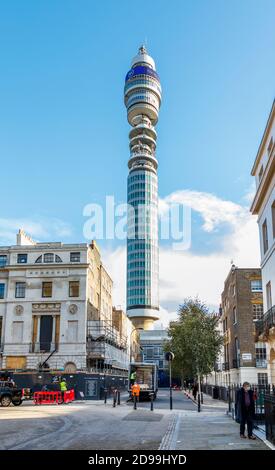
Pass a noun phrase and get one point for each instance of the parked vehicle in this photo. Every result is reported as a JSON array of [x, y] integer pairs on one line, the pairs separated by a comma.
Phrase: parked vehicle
[[146, 375], [9, 393]]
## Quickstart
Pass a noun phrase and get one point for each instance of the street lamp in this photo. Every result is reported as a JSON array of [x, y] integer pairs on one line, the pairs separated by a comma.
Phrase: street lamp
[[169, 356]]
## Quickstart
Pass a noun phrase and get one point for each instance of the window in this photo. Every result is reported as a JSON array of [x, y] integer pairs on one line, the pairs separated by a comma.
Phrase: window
[[262, 379], [260, 351], [270, 145], [258, 311], [74, 288], [149, 353], [261, 173], [256, 286], [161, 364], [47, 289], [22, 258], [2, 291], [268, 296], [265, 236], [75, 257], [58, 259], [3, 260], [225, 325], [17, 331], [20, 290], [48, 258], [234, 315], [273, 221], [39, 259]]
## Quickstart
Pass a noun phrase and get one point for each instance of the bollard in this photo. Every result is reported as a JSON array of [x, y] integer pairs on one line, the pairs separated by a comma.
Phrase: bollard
[[199, 403], [105, 395], [114, 400], [152, 401], [118, 397], [201, 398], [135, 402]]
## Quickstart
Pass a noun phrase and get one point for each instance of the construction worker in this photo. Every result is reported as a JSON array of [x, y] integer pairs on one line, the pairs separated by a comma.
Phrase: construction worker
[[63, 387], [133, 377], [135, 389]]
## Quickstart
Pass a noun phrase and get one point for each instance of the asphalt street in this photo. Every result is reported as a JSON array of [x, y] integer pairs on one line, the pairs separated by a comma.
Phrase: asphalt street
[[93, 425]]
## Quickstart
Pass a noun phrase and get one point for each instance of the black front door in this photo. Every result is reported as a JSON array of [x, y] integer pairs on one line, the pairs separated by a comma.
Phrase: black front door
[[46, 332]]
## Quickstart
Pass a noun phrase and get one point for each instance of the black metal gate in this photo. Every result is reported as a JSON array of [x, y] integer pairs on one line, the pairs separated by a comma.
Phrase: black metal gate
[[269, 405]]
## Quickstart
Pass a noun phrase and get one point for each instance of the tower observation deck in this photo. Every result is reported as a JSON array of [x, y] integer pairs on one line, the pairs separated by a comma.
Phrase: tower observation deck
[[142, 98]]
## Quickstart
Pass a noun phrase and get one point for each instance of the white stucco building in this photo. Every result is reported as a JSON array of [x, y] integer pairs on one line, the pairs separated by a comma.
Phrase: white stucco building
[[55, 304], [264, 206]]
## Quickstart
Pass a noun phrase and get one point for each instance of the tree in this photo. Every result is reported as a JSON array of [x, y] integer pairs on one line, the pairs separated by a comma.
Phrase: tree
[[194, 339]]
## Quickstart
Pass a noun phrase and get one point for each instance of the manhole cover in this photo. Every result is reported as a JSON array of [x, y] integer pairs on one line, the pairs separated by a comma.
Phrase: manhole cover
[[137, 416]]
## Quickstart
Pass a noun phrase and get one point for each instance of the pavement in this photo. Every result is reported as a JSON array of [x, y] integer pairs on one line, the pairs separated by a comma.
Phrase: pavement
[[92, 425]]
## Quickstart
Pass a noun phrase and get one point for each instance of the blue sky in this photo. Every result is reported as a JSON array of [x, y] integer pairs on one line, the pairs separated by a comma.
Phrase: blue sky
[[63, 126]]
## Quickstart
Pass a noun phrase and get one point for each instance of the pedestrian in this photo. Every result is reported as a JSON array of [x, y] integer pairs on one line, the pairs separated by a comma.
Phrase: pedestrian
[[195, 390], [246, 410], [63, 387]]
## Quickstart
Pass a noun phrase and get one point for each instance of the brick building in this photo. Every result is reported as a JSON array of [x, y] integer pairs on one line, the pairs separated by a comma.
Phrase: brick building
[[242, 306]]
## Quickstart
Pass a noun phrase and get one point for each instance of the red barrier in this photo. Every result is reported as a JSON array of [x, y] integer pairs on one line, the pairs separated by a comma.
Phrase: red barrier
[[49, 398]]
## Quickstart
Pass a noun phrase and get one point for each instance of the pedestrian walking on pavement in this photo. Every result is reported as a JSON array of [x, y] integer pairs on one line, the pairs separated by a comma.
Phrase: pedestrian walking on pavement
[[195, 390], [246, 410]]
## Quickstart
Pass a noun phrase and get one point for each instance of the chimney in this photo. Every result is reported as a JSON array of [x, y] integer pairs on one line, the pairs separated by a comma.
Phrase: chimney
[[22, 239]]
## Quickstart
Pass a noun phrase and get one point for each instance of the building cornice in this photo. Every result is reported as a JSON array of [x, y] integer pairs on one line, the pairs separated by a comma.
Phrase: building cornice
[[264, 185], [263, 141]]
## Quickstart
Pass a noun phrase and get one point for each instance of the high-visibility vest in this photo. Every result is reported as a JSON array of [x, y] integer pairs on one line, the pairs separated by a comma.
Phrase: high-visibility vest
[[63, 386], [135, 390]]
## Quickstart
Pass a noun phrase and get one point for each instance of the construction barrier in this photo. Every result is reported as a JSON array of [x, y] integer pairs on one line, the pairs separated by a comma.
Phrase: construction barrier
[[50, 398]]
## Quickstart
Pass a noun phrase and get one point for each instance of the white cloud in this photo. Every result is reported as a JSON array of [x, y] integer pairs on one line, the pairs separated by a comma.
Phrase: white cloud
[[188, 273], [40, 228]]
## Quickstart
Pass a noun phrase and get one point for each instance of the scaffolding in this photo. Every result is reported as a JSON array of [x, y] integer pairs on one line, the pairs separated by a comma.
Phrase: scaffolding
[[105, 345]]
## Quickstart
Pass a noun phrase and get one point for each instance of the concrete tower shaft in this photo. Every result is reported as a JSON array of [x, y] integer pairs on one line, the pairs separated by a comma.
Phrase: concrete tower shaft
[[142, 98]]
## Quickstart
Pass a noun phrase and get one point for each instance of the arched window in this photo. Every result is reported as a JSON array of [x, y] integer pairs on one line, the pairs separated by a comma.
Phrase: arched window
[[49, 258]]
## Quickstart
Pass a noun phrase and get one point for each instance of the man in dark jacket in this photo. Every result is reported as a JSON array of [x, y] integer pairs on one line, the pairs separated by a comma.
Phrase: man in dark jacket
[[246, 409]]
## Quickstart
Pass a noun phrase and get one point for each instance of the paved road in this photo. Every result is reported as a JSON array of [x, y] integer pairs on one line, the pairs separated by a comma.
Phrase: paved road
[[95, 426]]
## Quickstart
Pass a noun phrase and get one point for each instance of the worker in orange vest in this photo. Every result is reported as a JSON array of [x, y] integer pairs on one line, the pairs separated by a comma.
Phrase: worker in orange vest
[[135, 389]]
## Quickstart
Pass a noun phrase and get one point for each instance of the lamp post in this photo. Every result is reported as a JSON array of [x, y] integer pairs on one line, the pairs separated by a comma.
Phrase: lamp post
[[169, 356]]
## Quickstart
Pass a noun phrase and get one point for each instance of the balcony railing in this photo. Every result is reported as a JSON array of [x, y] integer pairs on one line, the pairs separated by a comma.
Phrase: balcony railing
[[267, 322]]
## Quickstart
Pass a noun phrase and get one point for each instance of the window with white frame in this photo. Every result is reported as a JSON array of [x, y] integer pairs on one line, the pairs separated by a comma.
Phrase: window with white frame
[[234, 315], [265, 236], [262, 379], [256, 285], [258, 311], [268, 296]]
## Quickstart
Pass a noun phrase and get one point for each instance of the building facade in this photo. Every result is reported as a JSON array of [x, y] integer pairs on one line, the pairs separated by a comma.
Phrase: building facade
[[242, 305], [142, 97], [264, 207], [55, 305], [152, 343]]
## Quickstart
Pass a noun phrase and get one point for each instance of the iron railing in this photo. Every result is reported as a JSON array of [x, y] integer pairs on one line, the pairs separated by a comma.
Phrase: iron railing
[[267, 322], [269, 406]]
